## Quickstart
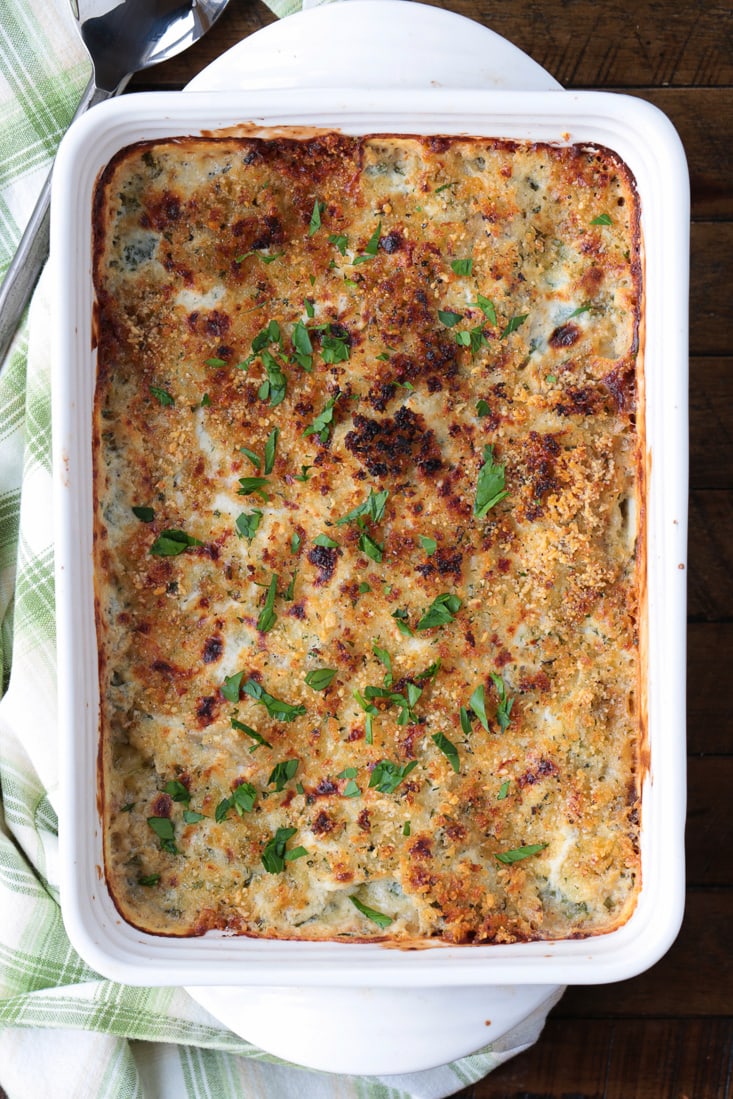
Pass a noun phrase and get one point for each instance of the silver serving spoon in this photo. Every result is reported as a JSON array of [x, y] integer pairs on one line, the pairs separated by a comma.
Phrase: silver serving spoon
[[122, 37]]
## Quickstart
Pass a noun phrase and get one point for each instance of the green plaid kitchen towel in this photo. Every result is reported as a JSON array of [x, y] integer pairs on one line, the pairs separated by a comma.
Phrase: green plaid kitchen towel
[[64, 1031]]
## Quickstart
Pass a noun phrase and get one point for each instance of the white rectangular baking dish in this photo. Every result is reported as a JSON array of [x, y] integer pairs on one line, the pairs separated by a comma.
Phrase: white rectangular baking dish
[[645, 139]]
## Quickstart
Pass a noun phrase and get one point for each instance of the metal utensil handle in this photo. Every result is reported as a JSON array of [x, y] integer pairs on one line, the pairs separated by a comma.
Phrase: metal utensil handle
[[32, 253]]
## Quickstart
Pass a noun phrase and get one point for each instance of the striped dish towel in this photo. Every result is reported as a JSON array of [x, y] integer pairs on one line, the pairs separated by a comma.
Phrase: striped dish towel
[[64, 1031]]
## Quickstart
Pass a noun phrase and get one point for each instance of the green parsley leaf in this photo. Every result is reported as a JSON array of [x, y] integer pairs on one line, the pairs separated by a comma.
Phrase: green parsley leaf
[[384, 658], [252, 456], [190, 816], [428, 544], [584, 308], [215, 362], [430, 672], [465, 721], [441, 611], [324, 540], [463, 339], [371, 711], [482, 408], [253, 486], [387, 776], [504, 708], [462, 266], [378, 918], [371, 548], [242, 799], [321, 426], [282, 773], [449, 318], [406, 385], [602, 219], [274, 855], [303, 346], [315, 222], [275, 708], [489, 485], [477, 703], [290, 590], [445, 186], [400, 616], [247, 523], [551, 379], [364, 587], [320, 678], [351, 790], [276, 383], [205, 400], [334, 348], [267, 617], [162, 396], [128, 807], [172, 542], [487, 308], [348, 772], [448, 749], [163, 828], [406, 828], [503, 790], [514, 324], [372, 246], [303, 475], [270, 448], [177, 791], [231, 687], [340, 240], [259, 741], [372, 508], [148, 879], [269, 259], [309, 308], [145, 515], [295, 541], [519, 853]]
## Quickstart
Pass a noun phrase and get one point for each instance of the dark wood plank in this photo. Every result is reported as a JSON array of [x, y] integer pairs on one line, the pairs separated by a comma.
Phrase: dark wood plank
[[695, 977], [709, 708], [711, 288], [710, 576], [711, 422], [649, 43], [624, 1059], [709, 840]]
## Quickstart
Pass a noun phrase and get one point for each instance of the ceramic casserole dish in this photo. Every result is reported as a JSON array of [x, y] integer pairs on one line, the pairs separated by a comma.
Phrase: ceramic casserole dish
[[646, 142]]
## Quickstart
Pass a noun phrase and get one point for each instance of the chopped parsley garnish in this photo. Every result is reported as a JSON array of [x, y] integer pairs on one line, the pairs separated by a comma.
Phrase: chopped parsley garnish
[[215, 362], [503, 790], [315, 222], [190, 816], [405, 702], [372, 508], [504, 708], [448, 749], [247, 523], [602, 219], [274, 706], [351, 790], [348, 772], [430, 672], [148, 879], [551, 379], [340, 240], [242, 799], [477, 703], [400, 616], [162, 396], [270, 449], [259, 741], [163, 828], [334, 347], [250, 486], [303, 476], [364, 587], [371, 711], [275, 855], [384, 658], [514, 324], [372, 246], [177, 791], [482, 408], [276, 384], [487, 307], [231, 686], [387, 776], [295, 541], [371, 548], [406, 828], [489, 485], [445, 186], [324, 540], [172, 542], [462, 266], [254, 458], [584, 308], [282, 773], [290, 590], [449, 318], [303, 348], [321, 426], [309, 308], [267, 617], [428, 544], [320, 678], [145, 515], [519, 853], [442, 610], [378, 918]]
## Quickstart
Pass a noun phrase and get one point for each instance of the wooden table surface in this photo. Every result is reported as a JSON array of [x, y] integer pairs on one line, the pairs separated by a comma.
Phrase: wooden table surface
[[669, 1032]]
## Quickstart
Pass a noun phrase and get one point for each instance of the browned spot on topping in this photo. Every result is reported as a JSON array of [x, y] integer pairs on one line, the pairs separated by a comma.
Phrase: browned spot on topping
[[564, 336], [503, 564], [323, 824], [167, 209], [297, 611], [206, 708], [620, 383], [380, 397], [434, 384], [502, 659], [392, 242], [449, 563], [324, 558], [325, 787], [363, 821], [356, 732], [578, 402], [421, 848], [213, 648], [217, 323], [161, 806], [394, 444], [543, 769], [454, 830]]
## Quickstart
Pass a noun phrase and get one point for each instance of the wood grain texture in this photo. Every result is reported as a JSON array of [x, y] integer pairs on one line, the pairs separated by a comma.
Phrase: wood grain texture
[[709, 708], [711, 422], [710, 576]]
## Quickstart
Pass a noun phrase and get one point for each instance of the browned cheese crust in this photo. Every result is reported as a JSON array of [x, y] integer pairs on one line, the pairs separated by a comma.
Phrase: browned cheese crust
[[441, 335]]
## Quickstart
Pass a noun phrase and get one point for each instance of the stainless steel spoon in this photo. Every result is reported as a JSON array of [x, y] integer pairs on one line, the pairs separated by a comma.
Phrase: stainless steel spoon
[[122, 37]]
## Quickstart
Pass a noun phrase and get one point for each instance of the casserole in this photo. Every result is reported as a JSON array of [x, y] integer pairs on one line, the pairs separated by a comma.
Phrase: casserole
[[644, 140]]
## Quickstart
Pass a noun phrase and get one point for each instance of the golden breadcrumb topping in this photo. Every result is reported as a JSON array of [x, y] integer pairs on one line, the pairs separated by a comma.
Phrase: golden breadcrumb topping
[[368, 544]]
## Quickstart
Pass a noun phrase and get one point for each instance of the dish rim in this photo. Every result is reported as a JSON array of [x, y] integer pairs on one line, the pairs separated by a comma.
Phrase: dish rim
[[647, 142]]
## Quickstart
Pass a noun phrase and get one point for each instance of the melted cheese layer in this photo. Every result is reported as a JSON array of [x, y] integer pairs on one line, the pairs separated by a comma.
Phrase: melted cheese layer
[[416, 326]]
